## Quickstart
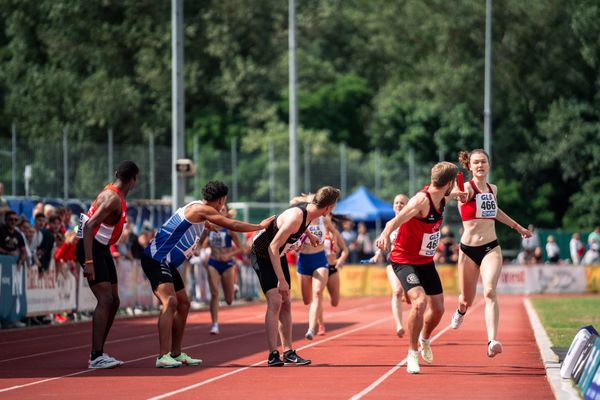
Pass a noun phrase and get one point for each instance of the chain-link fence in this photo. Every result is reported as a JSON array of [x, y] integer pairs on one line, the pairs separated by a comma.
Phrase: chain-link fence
[[63, 169]]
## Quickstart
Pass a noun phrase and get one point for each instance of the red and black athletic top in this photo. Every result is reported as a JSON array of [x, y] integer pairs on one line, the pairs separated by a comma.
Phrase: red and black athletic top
[[418, 238], [105, 233], [481, 206]]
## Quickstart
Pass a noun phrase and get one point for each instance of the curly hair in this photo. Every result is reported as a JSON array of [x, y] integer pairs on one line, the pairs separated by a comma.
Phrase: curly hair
[[464, 157], [214, 190]]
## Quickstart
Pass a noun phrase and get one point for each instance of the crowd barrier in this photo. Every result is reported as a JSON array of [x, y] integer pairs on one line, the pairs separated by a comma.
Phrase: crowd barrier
[[25, 293]]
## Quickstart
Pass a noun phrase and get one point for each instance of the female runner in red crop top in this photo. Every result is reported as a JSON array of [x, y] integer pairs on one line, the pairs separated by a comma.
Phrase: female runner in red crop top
[[479, 248]]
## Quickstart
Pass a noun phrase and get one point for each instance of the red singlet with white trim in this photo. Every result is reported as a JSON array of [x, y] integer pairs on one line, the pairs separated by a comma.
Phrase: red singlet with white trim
[[418, 238], [481, 206], [105, 233]]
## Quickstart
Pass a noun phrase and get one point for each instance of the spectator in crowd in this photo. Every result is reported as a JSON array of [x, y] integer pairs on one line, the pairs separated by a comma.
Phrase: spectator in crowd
[[364, 244], [591, 256], [531, 252], [576, 248], [42, 242], [38, 208], [350, 238], [65, 216], [552, 250], [12, 242], [447, 251], [56, 228], [25, 229], [3, 202], [594, 236], [49, 210]]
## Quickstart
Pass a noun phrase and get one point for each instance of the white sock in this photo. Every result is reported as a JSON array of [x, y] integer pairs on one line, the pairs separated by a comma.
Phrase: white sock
[[423, 340], [413, 353]]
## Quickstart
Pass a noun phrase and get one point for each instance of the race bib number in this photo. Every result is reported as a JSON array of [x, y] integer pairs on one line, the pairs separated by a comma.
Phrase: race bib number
[[429, 244], [217, 239], [83, 218], [486, 205], [317, 231]]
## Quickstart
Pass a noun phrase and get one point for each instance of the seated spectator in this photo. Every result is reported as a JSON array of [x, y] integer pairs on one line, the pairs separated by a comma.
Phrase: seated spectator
[[576, 248], [552, 250], [531, 252]]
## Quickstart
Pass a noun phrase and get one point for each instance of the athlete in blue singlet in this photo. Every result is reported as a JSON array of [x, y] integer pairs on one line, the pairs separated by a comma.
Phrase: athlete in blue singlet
[[174, 243], [221, 267]]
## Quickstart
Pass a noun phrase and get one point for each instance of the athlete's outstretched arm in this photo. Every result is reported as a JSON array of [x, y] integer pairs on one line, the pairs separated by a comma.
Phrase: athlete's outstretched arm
[[414, 206], [508, 221], [200, 212]]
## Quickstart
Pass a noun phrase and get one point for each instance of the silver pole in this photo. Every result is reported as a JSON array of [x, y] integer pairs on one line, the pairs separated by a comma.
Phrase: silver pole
[[111, 161], [234, 181], [14, 159], [487, 107], [293, 106], [306, 167], [377, 170], [197, 162], [65, 165], [343, 169], [151, 166], [271, 176], [177, 102], [411, 172]]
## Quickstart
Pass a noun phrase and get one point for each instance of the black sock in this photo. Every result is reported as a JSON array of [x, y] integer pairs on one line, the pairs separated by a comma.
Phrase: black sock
[[461, 313], [95, 354], [175, 355]]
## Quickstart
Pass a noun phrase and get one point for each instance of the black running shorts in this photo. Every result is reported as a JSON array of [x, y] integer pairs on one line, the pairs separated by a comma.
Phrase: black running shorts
[[104, 265], [424, 275], [266, 274], [158, 273]]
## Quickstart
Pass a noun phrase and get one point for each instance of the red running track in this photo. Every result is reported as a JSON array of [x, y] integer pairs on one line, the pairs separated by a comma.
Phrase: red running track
[[359, 357]]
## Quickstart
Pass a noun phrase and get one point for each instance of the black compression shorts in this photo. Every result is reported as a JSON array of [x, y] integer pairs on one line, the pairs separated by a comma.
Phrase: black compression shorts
[[158, 273], [424, 275], [104, 265], [266, 274]]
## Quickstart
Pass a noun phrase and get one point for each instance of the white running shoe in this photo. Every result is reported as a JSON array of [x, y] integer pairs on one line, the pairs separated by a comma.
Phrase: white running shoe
[[494, 348], [214, 329], [103, 362], [309, 335], [412, 362], [426, 352], [457, 319], [112, 358]]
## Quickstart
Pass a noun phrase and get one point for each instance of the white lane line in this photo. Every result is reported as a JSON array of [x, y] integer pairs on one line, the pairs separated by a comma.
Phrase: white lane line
[[131, 361], [389, 373], [237, 371], [128, 339], [261, 315]]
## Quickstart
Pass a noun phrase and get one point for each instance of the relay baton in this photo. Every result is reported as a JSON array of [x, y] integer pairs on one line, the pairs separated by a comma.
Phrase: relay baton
[[461, 181]]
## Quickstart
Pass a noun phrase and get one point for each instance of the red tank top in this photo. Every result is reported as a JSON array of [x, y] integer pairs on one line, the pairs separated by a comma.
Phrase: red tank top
[[481, 205], [418, 238], [105, 233]]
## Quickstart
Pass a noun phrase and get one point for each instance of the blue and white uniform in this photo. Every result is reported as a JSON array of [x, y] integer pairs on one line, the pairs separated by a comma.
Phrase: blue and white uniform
[[220, 240], [172, 245], [308, 263]]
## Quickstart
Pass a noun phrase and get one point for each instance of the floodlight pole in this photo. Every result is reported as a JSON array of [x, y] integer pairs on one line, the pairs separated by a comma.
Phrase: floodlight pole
[[293, 119], [487, 107], [177, 102]]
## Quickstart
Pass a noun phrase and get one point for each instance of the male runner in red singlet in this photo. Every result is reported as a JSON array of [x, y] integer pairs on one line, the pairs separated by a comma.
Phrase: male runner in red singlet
[[100, 228], [412, 258]]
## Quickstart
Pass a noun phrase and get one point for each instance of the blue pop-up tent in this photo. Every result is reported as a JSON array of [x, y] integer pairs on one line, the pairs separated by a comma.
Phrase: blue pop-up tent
[[363, 206]]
